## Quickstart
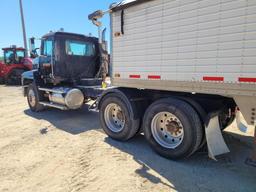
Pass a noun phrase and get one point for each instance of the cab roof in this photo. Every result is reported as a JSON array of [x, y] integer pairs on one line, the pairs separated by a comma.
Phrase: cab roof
[[51, 34]]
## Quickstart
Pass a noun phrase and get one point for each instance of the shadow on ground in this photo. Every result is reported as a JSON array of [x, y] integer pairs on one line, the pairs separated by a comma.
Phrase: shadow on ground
[[73, 122], [197, 173]]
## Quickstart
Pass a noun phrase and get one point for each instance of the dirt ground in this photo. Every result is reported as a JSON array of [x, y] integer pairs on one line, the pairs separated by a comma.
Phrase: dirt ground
[[61, 151]]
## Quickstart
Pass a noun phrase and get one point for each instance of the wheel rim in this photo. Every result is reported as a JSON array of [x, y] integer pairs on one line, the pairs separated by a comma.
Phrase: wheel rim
[[167, 130], [114, 117], [31, 98]]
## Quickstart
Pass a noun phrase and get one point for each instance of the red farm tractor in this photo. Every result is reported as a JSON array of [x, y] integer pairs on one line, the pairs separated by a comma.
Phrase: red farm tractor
[[14, 64]]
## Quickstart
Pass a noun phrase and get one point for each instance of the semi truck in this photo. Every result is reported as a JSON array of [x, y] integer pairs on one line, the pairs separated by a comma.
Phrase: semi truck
[[180, 73]]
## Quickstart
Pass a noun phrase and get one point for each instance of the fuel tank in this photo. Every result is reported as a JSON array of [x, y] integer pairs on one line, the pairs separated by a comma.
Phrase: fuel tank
[[71, 98]]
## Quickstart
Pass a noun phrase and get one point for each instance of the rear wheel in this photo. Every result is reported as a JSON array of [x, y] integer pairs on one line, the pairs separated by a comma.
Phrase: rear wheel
[[117, 117], [173, 128], [33, 98]]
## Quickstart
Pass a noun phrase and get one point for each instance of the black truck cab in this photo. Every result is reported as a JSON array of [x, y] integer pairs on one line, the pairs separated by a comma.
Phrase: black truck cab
[[69, 71], [68, 57]]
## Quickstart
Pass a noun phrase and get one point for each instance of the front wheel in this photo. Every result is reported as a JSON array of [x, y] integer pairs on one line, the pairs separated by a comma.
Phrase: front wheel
[[173, 128], [117, 117], [33, 98]]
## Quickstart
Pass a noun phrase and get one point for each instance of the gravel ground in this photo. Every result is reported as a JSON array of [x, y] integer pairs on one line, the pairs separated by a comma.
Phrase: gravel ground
[[68, 151]]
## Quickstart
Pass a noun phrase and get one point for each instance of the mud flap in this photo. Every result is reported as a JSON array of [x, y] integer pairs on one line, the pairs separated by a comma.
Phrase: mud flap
[[215, 141]]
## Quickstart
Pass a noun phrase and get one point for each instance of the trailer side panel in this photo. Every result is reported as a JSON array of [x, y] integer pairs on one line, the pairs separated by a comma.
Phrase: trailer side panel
[[188, 46]]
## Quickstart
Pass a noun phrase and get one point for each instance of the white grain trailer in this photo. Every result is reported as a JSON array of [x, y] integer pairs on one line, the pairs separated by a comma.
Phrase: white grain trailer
[[182, 69]]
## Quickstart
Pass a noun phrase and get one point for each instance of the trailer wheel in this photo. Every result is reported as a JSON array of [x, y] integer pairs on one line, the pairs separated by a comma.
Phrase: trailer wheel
[[173, 128], [33, 97], [117, 117]]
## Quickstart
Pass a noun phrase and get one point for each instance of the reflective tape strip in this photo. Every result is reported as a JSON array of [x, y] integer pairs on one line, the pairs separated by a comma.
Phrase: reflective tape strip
[[154, 77], [247, 79], [134, 76], [206, 78]]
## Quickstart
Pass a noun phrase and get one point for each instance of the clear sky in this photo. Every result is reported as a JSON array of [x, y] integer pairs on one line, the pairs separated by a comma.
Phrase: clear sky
[[41, 16]]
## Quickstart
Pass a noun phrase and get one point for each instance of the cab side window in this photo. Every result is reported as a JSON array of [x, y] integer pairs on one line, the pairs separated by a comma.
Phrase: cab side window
[[48, 48], [80, 48]]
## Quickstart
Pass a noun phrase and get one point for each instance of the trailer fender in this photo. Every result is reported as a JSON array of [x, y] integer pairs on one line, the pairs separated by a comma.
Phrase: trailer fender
[[215, 141]]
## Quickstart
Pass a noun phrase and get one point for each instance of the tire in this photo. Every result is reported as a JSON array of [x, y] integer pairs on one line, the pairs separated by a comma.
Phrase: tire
[[33, 103], [14, 78], [202, 114], [115, 112], [182, 131]]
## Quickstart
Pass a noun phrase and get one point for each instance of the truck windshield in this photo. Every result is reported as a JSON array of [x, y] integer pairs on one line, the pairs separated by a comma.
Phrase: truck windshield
[[80, 48]]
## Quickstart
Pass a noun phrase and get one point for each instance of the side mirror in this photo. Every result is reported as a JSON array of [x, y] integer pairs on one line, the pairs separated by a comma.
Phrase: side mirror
[[33, 53], [32, 49], [95, 16], [32, 46]]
